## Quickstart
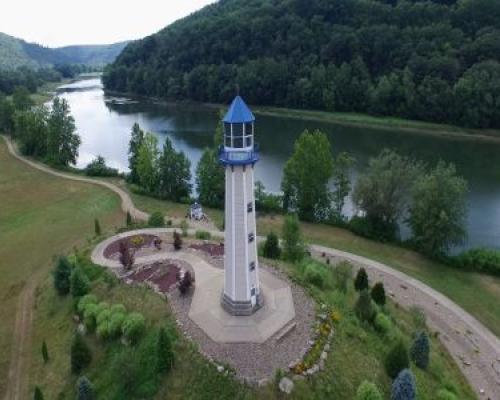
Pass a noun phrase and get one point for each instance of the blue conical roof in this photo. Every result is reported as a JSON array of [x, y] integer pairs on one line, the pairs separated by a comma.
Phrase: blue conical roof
[[238, 112]]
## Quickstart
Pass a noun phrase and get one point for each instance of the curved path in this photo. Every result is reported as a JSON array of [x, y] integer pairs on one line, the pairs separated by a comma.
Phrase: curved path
[[472, 345]]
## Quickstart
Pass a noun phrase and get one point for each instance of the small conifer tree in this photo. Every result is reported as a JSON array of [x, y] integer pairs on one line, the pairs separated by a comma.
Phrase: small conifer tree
[[420, 349], [397, 359], [361, 280], [80, 354], [97, 227], [364, 307], [271, 247], [404, 386], [378, 294], [164, 352], [84, 389], [80, 283], [368, 391], [129, 219], [62, 275], [45, 352], [177, 241], [37, 395]]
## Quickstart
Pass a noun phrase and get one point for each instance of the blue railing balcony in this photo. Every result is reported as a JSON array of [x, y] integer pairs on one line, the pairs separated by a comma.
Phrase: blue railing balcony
[[239, 157]]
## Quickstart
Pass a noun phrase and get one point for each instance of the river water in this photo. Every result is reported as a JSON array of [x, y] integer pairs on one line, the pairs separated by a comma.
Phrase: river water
[[104, 124]]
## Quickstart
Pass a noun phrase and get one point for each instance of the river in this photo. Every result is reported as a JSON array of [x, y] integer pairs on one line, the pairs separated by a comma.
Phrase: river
[[104, 124]]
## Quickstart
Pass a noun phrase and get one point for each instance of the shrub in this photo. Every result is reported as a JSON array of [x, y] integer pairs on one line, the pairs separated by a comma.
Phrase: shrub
[[185, 283], [84, 389], [314, 275], [361, 280], [80, 354], [480, 260], [103, 316], [164, 351], [126, 255], [445, 394], [102, 330], [101, 306], [62, 276], [184, 228], [293, 245], [382, 323], [116, 324], [418, 316], [89, 317], [364, 307], [128, 220], [271, 248], [342, 275], [420, 349], [397, 359], [85, 301], [404, 386], [97, 227], [156, 220], [177, 241], [118, 309], [98, 167], [80, 283], [378, 294], [45, 352], [368, 391], [203, 235], [133, 327], [37, 394]]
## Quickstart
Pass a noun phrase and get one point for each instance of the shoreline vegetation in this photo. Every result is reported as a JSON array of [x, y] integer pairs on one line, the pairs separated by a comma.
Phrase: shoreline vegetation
[[356, 120]]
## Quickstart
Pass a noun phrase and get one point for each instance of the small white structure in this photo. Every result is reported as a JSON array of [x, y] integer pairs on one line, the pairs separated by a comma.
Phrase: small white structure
[[196, 212], [239, 154]]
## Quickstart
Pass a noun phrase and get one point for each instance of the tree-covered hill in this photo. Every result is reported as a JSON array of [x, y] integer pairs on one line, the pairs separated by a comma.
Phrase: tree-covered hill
[[435, 60], [15, 53]]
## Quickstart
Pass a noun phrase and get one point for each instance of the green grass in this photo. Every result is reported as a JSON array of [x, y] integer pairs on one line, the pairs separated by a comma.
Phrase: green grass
[[40, 216], [474, 292], [395, 123]]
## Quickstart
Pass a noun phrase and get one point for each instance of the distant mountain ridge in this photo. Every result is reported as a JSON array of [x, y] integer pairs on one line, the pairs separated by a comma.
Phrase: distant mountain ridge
[[15, 53]]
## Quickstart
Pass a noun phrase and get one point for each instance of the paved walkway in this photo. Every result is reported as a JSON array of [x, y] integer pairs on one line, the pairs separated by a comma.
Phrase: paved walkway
[[476, 349]]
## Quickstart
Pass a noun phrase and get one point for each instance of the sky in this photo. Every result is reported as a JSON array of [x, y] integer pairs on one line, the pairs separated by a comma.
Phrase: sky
[[57, 23]]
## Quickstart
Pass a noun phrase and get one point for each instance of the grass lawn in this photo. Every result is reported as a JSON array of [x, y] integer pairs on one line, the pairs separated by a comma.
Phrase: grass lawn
[[40, 216], [474, 292]]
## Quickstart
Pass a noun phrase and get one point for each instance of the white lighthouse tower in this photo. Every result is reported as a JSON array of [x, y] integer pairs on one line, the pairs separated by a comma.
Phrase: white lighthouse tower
[[238, 154]]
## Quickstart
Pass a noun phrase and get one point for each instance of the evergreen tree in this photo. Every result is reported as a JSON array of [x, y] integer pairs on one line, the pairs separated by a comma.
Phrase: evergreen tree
[[38, 395], [368, 391], [420, 349], [404, 386], [62, 276], [97, 227], [45, 352], [80, 354], [62, 140], [177, 241], [364, 307], [164, 351], [136, 140], [129, 221], [361, 280], [378, 294], [80, 283], [293, 246], [397, 359], [271, 248], [174, 173], [84, 389], [306, 177]]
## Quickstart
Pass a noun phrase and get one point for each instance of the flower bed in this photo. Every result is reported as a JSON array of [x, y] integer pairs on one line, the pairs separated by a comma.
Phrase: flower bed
[[212, 249], [136, 241]]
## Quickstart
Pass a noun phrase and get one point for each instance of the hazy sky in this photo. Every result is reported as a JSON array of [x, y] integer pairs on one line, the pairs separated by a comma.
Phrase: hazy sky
[[62, 22]]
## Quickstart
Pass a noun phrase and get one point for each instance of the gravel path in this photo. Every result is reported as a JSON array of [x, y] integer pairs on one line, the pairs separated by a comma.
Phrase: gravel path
[[476, 349]]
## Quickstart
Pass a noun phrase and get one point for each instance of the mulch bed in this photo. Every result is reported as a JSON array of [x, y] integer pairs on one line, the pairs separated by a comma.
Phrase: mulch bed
[[212, 249], [167, 279], [114, 248]]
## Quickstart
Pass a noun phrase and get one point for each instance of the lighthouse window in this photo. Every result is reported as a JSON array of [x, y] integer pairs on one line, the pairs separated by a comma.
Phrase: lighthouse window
[[252, 266], [251, 237], [250, 207]]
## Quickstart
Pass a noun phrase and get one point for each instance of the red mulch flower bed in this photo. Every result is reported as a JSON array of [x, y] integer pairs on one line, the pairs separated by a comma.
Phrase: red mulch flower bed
[[114, 248], [145, 273], [167, 279], [161, 274], [214, 250]]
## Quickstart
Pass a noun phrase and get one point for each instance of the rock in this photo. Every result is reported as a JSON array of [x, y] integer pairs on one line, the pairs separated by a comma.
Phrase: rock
[[220, 368], [81, 329], [321, 365], [327, 347], [286, 385], [322, 317], [323, 306], [324, 355], [76, 318], [298, 377]]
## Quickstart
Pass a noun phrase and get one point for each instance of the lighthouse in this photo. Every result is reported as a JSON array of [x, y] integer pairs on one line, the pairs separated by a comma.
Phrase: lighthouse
[[239, 154]]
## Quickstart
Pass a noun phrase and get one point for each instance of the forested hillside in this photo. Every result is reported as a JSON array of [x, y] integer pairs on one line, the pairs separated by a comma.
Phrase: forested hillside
[[15, 53], [434, 60]]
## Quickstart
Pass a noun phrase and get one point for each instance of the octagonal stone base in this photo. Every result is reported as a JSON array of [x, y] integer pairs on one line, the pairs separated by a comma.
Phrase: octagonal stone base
[[207, 312]]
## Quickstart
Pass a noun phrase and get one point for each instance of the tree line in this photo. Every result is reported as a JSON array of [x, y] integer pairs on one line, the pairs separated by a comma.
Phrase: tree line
[[433, 60]]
